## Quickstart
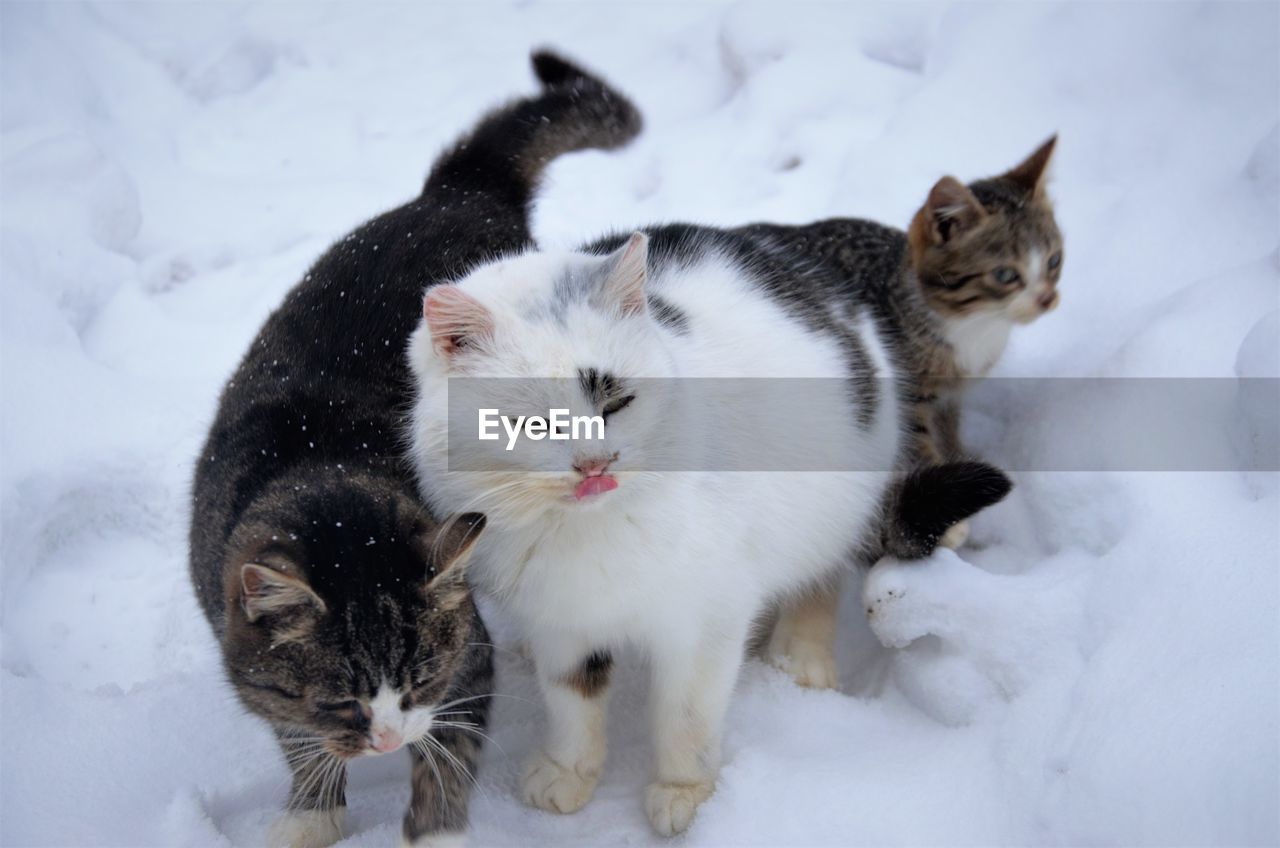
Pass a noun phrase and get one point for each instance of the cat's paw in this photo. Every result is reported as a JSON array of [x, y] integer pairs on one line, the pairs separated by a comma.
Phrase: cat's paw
[[671, 806], [550, 786], [811, 664], [955, 537], [435, 840], [307, 829]]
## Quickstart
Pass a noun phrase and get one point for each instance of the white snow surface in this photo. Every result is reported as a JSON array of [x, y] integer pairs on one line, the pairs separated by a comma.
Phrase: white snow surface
[[1099, 667]]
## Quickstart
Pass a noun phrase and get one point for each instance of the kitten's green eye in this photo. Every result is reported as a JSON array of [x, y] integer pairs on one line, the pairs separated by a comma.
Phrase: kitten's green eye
[[617, 405], [1005, 275], [1055, 260]]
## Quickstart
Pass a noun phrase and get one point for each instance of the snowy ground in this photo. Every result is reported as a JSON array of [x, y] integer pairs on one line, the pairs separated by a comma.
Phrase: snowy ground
[[1100, 668]]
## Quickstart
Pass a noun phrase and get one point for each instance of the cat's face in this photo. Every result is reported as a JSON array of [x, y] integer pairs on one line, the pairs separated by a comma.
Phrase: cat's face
[[543, 332], [346, 626], [990, 247]]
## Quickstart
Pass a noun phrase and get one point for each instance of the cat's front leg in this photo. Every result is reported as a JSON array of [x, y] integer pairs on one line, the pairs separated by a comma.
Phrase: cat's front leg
[[317, 798], [947, 437], [803, 639], [444, 766], [937, 427], [574, 679], [692, 685]]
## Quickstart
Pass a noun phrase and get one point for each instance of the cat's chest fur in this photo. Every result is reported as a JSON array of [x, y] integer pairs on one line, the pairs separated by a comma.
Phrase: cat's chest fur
[[976, 341], [630, 570]]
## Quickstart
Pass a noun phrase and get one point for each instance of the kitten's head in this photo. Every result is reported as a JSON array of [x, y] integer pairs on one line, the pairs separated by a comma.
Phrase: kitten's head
[[992, 246], [538, 332], [347, 614]]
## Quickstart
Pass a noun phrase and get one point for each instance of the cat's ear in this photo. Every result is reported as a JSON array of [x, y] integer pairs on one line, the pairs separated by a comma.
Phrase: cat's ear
[[951, 209], [455, 319], [452, 544], [624, 287], [265, 592], [1030, 174]]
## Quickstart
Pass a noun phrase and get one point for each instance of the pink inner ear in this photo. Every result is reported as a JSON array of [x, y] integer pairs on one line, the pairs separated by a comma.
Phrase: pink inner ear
[[454, 319], [251, 580], [626, 282]]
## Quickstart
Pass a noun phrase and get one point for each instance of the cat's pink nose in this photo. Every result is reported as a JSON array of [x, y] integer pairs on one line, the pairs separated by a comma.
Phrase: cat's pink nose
[[591, 467], [385, 740], [1048, 299]]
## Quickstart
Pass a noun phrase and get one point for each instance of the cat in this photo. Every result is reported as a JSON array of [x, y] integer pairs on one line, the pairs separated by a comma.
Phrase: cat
[[976, 261], [340, 602], [589, 546]]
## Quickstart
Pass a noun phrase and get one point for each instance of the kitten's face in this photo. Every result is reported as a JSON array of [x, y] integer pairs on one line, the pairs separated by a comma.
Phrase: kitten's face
[[570, 332], [346, 627], [990, 247]]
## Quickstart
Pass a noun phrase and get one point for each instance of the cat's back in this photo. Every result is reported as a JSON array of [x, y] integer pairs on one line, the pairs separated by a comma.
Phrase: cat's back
[[742, 303], [323, 385], [863, 260]]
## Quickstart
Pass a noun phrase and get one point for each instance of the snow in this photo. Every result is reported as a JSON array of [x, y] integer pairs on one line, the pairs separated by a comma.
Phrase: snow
[[1101, 666]]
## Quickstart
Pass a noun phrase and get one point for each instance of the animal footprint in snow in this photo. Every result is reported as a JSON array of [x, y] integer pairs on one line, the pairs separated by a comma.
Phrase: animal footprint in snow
[[965, 636]]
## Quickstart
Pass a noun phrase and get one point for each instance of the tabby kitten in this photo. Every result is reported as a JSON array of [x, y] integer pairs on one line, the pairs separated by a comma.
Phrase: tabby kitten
[[985, 257], [340, 603], [976, 261]]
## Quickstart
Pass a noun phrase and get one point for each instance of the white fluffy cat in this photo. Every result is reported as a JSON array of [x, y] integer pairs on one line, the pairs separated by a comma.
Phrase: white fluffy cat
[[592, 544]]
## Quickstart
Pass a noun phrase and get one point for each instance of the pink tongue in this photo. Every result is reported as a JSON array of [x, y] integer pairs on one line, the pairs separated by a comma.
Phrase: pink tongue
[[594, 486]]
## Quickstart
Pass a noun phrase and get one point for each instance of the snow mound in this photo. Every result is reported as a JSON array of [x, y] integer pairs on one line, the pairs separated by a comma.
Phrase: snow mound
[[1100, 665]]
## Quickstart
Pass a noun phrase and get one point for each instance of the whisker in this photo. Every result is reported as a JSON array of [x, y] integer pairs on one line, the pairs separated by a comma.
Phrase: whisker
[[472, 728], [458, 701], [430, 760], [453, 760]]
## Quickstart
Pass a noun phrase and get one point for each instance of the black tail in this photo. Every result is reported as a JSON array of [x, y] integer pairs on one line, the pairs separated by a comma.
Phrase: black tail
[[923, 505], [506, 154]]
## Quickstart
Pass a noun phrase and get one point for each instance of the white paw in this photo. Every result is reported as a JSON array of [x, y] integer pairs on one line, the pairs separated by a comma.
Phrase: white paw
[[956, 536], [810, 664], [550, 786], [671, 806], [307, 829], [436, 840]]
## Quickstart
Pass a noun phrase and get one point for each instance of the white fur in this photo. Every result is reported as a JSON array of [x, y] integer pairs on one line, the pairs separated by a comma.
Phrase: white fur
[[307, 829], [389, 718], [1035, 267], [978, 339], [678, 562]]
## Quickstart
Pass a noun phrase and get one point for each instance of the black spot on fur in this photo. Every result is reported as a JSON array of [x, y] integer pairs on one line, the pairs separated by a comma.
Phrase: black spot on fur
[[598, 386], [591, 678], [668, 315]]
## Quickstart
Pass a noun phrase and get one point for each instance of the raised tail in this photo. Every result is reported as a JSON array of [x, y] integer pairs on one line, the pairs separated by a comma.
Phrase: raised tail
[[507, 152], [922, 506]]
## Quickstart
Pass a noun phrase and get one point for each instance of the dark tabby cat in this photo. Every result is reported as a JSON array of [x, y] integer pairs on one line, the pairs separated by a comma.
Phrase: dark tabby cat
[[976, 260], [340, 603]]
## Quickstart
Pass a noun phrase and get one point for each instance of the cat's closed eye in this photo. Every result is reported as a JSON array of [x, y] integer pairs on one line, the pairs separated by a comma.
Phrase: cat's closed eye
[[349, 710], [1005, 275], [617, 405], [274, 690]]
